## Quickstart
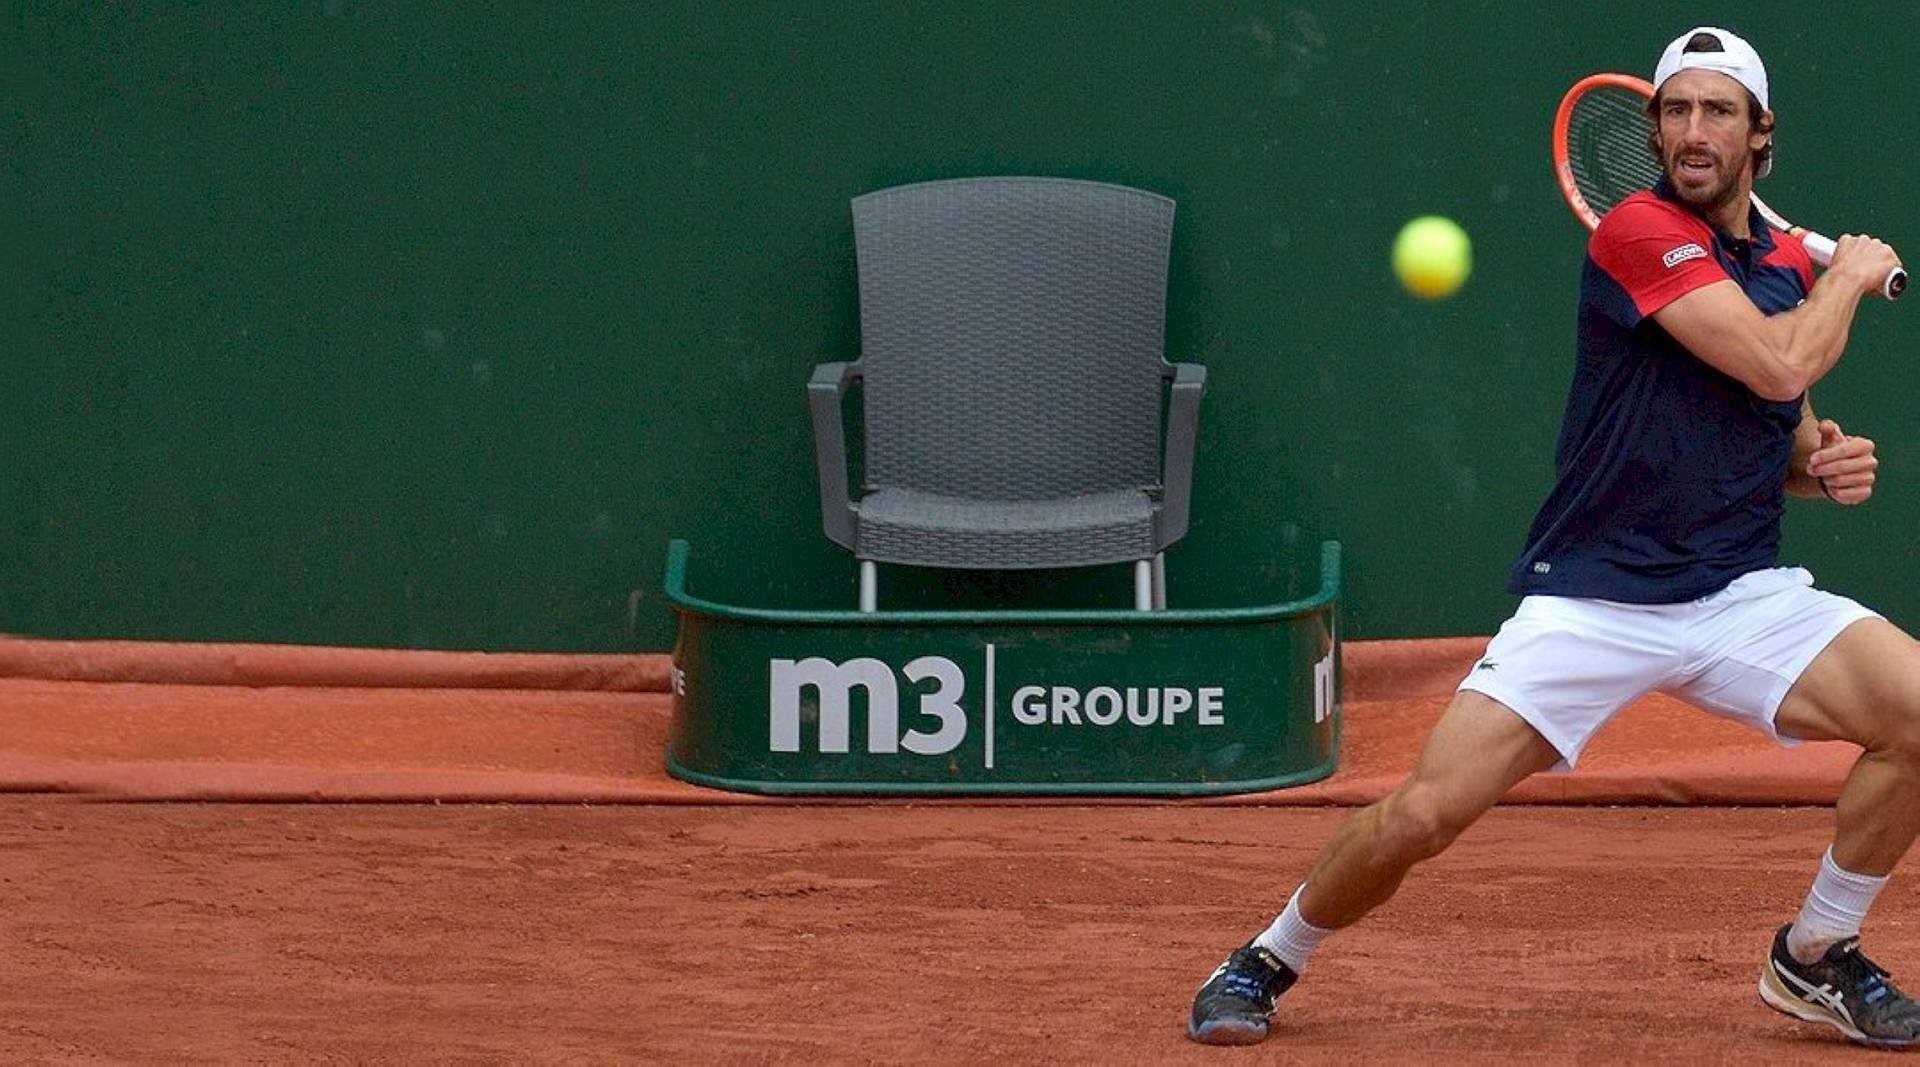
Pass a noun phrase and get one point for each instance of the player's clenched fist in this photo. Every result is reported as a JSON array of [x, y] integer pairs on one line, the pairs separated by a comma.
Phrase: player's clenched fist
[[1864, 261], [1845, 465]]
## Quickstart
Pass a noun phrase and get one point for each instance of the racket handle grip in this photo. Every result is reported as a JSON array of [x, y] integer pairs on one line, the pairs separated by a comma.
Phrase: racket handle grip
[[1820, 250]]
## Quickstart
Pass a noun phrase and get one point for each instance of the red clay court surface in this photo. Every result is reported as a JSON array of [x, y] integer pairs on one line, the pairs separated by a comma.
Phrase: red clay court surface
[[629, 918]]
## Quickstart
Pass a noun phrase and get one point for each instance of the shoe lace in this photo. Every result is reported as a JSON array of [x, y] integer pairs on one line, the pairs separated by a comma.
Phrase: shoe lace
[[1873, 981], [1249, 978]]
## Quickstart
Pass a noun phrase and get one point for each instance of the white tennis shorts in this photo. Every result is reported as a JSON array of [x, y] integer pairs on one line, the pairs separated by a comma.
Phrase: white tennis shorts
[[1567, 665]]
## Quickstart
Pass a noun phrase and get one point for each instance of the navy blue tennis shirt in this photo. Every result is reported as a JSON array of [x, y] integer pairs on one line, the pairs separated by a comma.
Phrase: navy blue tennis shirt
[[1671, 476]]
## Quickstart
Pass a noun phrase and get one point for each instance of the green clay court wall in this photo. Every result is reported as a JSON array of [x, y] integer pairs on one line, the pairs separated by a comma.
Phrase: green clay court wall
[[430, 326]]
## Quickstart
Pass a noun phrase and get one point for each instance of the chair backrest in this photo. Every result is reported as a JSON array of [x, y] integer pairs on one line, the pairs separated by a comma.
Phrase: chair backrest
[[1012, 335]]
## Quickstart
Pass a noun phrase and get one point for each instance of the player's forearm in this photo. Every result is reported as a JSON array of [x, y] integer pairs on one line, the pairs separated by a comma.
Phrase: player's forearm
[[1799, 482], [1806, 440], [1802, 345], [1803, 485]]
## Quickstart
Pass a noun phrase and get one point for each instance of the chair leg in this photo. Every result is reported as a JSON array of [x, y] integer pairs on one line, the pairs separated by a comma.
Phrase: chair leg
[[1159, 581], [869, 582], [1143, 585]]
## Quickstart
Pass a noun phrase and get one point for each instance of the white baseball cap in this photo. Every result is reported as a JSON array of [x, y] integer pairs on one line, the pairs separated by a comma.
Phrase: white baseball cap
[[1735, 58]]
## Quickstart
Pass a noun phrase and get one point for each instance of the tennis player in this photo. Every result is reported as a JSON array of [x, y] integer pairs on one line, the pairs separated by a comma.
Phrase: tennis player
[[1652, 565]]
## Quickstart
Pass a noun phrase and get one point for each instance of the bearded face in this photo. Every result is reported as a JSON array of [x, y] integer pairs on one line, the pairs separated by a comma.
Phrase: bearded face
[[1706, 137]]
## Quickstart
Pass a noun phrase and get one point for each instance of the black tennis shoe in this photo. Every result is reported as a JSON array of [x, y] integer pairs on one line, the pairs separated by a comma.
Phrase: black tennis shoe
[[1235, 1004], [1843, 989]]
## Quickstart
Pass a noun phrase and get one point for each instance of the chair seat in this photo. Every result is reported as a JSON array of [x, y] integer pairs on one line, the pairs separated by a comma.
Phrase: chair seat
[[934, 530]]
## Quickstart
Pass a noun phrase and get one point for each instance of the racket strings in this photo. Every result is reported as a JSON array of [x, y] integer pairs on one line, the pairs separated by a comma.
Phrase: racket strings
[[1607, 147]]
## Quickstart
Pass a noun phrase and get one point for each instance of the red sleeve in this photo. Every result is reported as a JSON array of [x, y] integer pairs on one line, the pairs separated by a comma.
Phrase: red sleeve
[[1655, 251]]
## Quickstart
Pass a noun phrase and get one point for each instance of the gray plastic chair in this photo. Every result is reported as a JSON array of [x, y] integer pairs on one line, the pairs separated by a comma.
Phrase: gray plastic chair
[[1012, 383]]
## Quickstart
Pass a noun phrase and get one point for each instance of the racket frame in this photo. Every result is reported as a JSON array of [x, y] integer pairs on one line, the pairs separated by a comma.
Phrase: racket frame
[[1563, 119]]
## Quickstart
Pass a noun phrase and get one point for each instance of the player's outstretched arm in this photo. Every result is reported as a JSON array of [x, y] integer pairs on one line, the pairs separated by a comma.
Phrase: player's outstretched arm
[[1780, 356]]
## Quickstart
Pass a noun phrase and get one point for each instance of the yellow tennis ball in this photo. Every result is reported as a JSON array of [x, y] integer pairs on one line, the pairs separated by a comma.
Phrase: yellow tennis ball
[[1432, 257]]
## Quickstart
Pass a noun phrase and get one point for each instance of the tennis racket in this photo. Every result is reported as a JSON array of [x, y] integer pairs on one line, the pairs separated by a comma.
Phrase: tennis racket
[[1600, 157]]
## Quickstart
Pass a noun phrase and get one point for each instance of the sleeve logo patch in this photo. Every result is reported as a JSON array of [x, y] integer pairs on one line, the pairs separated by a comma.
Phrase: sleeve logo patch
[[1682, 254]]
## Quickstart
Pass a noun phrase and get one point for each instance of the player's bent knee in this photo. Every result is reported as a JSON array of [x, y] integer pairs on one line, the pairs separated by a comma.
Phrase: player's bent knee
[[1416, 824], [1886, 728], [1901, 741]]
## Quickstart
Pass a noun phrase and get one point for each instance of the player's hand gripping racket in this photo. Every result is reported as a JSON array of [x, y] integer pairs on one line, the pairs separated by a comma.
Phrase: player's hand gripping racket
[[1600, 156]]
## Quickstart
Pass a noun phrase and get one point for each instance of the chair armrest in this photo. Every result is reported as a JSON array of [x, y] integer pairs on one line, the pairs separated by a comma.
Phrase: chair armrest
[[826, 390], [1176, 468]]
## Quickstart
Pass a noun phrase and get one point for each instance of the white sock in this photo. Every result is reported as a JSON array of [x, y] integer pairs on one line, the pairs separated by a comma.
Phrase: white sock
[[1290, 937], [1835, 907]]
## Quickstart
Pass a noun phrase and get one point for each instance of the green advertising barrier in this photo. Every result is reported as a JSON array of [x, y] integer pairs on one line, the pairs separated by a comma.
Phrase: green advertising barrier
[[1176, 702]]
